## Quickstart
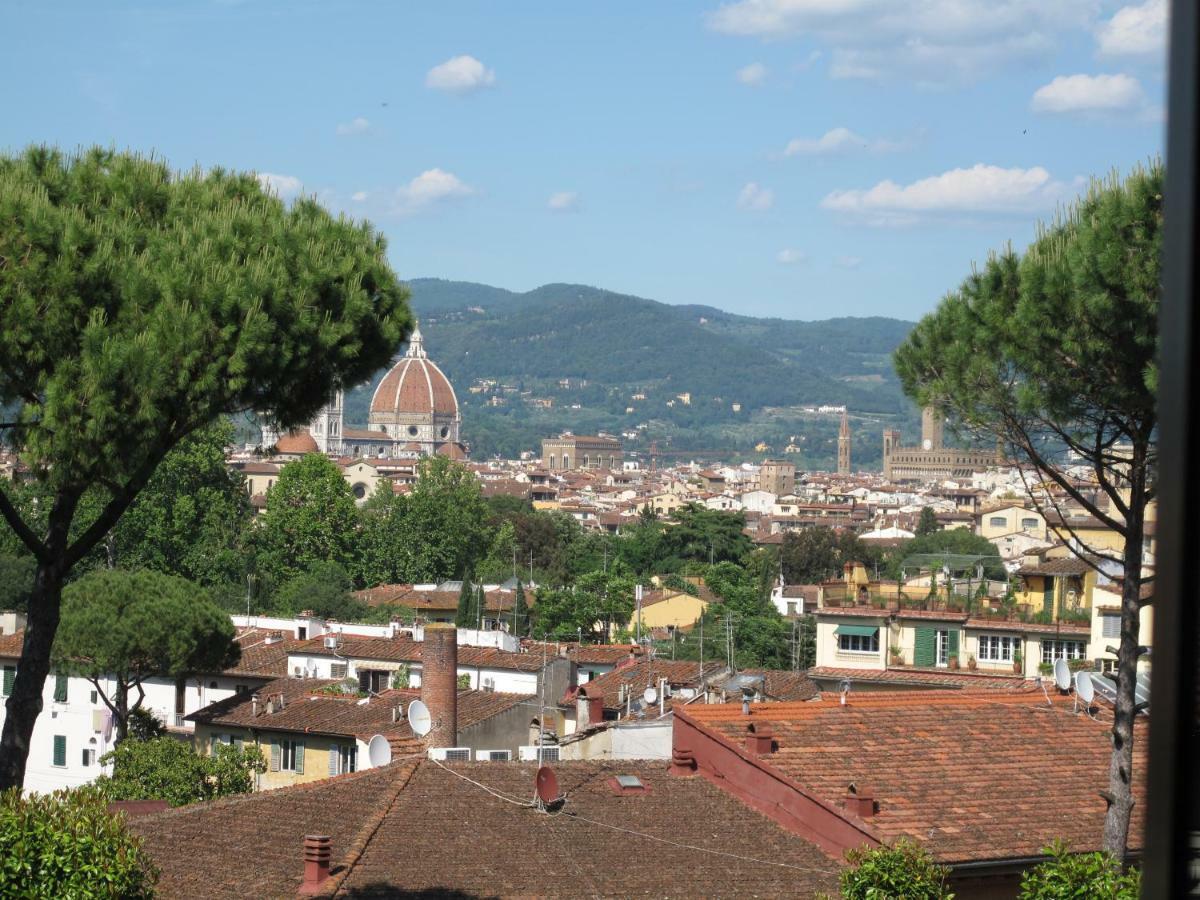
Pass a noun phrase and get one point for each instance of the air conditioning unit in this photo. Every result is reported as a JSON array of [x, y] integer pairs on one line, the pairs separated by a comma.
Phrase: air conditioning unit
[[331, 642], [493, 755], [451, 754], [534, 753], [488, 684]]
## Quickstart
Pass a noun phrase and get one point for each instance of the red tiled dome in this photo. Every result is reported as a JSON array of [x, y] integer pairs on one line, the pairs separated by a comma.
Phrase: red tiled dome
[[414, 385], [297, 442]]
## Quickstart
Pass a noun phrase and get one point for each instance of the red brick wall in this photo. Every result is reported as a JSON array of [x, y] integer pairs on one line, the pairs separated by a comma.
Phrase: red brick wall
[[439, 683]]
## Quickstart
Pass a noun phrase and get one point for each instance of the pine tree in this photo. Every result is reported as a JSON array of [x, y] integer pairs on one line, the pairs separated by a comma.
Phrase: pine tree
[[137, 306]]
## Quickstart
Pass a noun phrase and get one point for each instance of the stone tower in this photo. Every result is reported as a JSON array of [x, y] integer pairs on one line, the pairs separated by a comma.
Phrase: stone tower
[[932, 422], [844, 446], [326, 428]]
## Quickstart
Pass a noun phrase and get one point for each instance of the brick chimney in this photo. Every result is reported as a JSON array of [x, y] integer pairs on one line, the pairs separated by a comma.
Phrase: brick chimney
[[860, 801], [317, 852], [759, 739], [439, 683]]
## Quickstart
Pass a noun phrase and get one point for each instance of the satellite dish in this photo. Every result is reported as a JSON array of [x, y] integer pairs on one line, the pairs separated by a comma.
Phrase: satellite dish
[[379, 751], [1083, 688], [546, 784], [649, 696], [1062, 674], [419, 719]]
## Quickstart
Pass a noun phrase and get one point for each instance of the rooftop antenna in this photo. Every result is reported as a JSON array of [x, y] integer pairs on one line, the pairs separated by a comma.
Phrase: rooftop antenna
[[1084, 690], [844, 687], [649, 695], [1062, 675], [379, 751], [419, 719], [1040, 682], [545, 785]]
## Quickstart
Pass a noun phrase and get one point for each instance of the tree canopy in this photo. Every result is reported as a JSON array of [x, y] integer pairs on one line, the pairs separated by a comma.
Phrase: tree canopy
[[310, 518], [164, 768], [137, 625]]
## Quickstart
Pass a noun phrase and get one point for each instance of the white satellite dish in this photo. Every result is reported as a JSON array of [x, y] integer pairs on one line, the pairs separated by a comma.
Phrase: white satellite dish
[[419, 719], [1062, 674], [1084, 689], [379, 751], [649, 695]]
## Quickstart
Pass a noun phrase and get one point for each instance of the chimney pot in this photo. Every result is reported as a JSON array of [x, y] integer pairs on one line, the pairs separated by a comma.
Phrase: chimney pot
[[760, 740], [317, 854], [439, 683], [860, 801]]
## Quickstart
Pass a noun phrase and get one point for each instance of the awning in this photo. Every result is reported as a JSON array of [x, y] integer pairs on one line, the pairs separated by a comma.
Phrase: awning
[[860, 630]]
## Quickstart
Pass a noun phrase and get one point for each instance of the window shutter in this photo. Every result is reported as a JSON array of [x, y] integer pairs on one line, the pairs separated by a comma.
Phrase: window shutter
[[239, 744], [275, 756], [953, 642], [364, 680], [334, 752], [60, 688], [299, 757], [60, 750], [10, 673], [925, 649]]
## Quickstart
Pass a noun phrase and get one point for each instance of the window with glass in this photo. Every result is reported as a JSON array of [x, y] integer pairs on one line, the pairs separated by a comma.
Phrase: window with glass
[[859, 643], [1053, 650], [998, 521], [291, 756], [1110, 625], [997, 647], [343, 758]]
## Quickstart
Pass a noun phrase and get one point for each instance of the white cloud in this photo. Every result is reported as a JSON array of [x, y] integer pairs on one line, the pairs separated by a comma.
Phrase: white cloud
[[1135, 31], [357, 125], [789, 256], [752, 75], [285, 187], [460, 75], [836, 141], [980, 189], [848, 262], [430, 188], [359, 196], [563, 201], [755, 197], [1089, 94], [930, 41]]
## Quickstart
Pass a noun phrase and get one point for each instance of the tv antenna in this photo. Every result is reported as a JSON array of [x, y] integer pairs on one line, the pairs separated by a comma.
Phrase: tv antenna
[[379, 751], [419, 719]]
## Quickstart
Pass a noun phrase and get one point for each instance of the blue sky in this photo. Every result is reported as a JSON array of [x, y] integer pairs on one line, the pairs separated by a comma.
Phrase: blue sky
[[797, 158]]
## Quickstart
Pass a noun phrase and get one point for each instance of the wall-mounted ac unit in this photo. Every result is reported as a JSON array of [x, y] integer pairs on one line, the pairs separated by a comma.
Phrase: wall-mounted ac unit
[[493, 755], [534, 753], [331, 642], [488, 684], [451, 754]]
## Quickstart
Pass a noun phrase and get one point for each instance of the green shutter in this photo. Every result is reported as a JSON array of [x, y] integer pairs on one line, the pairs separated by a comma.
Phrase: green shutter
[[275, 754], [10, 673], [953, 643], [60, 750], [925, 650], [60, 688], [860, 630], [334, 751], [299, 757]]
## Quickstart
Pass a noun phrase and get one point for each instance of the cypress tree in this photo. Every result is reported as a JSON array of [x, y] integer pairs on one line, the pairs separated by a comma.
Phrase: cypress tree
[[520, 613], [463, 618]]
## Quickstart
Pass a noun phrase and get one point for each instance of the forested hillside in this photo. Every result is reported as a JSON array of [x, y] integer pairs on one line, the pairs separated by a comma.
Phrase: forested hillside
[[575, 357]]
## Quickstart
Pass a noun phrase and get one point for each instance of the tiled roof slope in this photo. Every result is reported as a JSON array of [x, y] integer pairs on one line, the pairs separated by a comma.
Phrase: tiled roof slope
[[420, 829], [942, 678], [971, 775], [259, 658], [647, 672], [403, 649], [10, 644]]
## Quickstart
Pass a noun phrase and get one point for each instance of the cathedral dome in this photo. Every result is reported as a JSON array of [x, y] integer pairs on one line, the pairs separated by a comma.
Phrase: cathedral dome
[[414, 386], [297, 442]]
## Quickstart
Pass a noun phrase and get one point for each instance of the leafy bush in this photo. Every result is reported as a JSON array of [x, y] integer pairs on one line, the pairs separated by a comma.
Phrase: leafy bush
[[68, 845], [167, 769], [903, 871], [1087, 876]]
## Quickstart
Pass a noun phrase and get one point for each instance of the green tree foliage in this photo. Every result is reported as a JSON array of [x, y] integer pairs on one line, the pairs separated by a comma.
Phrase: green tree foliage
[[951, 542], [927, 523], [818, 554], [903, 871], [324, 589], [16, 580], [137, 625], [67, 844], [705, 535], [164, 768], [594, 607], [466, 602], [1057, 351], [1079, 876], [310, 518], [520, 612], [190, 518], [744, 615], [138, 305]]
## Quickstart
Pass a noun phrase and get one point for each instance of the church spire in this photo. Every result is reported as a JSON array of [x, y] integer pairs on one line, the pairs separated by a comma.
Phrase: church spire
[[416, 345]]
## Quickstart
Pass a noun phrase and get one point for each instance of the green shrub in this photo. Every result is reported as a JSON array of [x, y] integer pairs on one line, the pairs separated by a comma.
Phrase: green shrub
[[903, 871], [167, 769], [1086, 876], [67, 845]]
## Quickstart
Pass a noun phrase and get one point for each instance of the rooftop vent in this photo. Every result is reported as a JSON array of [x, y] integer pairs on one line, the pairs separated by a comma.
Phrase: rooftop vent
[[628, 784]]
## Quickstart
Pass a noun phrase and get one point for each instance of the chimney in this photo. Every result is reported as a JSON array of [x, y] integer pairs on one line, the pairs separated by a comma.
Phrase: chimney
[[317, 852], [439, 683], [759, 739], [860, 801]]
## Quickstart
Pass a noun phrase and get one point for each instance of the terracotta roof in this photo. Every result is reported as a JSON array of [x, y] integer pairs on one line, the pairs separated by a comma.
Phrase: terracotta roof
[[10, 644], [402, 649], [366, 434], [405, 595], [603, 654], [645, 672], [414, 385], [296, 442], [971, 775], [417, 828], [922, 677], [780, 684], [259, 658], [805, 591], [1065, 566], [1063, 628]]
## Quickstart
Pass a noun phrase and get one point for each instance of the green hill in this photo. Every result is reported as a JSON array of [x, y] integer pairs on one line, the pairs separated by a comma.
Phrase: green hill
[[589, 352]]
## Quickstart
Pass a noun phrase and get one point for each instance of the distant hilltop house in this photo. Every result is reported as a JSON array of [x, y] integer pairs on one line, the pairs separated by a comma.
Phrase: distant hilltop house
[[570, 452], [414, 412], [932, 461]]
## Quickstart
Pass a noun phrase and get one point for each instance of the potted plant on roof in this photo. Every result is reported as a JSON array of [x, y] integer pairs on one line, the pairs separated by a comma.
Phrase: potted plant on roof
[[953, 660], [971, 663], [897, 655], [1018, 662]]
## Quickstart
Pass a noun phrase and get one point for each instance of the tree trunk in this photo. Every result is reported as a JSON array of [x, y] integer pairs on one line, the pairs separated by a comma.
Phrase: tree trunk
[[1120, 774], [25, 703], [121, 710]]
